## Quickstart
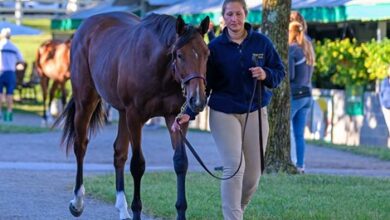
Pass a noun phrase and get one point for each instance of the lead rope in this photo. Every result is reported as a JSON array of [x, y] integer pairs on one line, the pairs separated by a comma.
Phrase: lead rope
[[200, 161]]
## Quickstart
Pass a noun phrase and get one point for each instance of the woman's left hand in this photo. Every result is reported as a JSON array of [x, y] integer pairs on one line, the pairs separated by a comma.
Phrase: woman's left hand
[[258, 73]]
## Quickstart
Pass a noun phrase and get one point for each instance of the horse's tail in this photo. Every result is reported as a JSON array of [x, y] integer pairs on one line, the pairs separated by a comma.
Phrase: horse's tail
[[68, 116]]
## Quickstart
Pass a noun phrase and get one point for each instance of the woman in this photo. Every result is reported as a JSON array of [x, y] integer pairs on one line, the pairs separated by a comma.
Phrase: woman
[[384, 98], [301, 62], [231, 75]]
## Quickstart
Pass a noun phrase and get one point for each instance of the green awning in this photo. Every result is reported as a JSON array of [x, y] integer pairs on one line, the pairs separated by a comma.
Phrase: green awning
[[314, 14], [321, 11], [65, 24]]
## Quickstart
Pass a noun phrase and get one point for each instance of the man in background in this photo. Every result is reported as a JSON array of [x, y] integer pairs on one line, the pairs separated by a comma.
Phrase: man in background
[[9, 57]]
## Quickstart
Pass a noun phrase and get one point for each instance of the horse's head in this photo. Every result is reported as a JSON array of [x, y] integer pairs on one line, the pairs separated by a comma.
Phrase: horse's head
[[190, 55]]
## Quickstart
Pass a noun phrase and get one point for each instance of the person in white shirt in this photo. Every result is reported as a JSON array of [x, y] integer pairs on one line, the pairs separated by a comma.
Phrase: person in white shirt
[[9, 57]]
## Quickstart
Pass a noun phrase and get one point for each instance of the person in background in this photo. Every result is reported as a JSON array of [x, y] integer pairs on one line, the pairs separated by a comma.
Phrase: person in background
[[10, 56], [231, 77], [211, 32], [296, 16], [301, 65], [384, 98]]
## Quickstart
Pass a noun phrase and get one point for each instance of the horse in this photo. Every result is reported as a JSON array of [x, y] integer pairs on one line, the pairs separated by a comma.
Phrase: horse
[[143, 68], [52, 63]]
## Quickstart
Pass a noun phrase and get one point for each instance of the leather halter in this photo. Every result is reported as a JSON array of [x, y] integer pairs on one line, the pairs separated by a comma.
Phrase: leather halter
[[184, 81]]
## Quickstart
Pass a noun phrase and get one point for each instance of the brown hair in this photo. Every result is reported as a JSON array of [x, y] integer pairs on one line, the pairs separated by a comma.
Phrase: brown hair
[[296, 16], [242, 2], [297, 34]]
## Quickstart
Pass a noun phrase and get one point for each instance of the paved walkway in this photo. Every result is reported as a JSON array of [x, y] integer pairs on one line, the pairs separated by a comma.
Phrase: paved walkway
[[35, 173]]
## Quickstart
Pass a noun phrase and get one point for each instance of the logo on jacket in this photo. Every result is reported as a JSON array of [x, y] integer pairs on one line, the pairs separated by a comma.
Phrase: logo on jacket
[[256, 57]]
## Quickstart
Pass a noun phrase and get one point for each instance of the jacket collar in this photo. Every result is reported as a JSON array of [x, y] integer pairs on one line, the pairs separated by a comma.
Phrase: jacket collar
[[225, 35]]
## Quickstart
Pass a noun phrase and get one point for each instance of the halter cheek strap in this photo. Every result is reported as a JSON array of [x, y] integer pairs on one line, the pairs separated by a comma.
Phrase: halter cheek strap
[[188, 78]]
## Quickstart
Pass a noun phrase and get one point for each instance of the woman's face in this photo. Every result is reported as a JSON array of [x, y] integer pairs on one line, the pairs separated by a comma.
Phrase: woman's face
[[234, 16]]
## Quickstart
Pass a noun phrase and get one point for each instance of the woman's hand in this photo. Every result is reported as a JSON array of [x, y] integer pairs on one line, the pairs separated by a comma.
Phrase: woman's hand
[[258, 73], [180, 119]]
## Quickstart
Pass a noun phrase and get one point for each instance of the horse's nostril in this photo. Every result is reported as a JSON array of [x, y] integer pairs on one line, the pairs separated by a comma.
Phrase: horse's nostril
[[196, 104]]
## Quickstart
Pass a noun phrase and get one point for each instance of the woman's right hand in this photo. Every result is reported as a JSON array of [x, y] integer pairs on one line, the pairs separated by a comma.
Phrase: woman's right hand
[[179, 120]]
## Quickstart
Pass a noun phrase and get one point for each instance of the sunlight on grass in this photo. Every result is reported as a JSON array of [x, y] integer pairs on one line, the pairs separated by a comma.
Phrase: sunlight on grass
[[372, 151], [279, 196]]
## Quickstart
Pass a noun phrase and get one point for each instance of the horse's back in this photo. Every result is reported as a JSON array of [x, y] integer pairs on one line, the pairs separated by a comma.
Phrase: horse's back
[[95, 25], [52, 60], [92, 56]]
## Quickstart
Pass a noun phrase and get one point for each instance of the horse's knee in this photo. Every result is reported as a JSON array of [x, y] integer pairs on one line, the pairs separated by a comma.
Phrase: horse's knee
[[180, 162], [119, 161]]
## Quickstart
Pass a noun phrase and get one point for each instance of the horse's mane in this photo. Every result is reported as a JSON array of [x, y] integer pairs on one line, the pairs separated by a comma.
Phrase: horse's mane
[[163, 25]]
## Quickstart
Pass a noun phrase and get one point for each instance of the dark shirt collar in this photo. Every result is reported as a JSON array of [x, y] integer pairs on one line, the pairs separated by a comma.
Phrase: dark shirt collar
[[225, 35]]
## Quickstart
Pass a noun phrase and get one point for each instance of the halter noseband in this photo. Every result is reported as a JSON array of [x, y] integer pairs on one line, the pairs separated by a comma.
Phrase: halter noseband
[[184, 81]]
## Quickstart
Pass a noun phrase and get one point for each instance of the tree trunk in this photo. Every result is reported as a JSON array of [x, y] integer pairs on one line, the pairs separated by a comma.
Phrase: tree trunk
[[276, 15]]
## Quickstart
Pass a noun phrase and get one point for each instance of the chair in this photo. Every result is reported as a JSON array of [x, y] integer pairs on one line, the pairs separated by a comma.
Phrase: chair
[[27, 90]]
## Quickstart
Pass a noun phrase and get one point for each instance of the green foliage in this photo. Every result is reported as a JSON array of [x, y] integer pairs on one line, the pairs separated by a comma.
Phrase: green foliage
[[278, 197], [347, 62], [377, 61]]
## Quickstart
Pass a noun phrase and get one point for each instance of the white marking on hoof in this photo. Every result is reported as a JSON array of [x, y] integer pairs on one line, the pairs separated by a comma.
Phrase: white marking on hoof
[[121, 205], [78, 201]]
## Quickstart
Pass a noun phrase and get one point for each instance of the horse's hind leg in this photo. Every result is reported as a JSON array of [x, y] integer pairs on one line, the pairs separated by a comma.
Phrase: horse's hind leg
[[64, 94], [85, 107], [121, 149], [137, 164], [52, 93], [44, 86], [180, 162]]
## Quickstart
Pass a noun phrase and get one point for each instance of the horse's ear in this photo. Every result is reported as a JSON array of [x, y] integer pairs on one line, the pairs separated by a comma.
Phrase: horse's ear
[[204, 25], [180, 25]]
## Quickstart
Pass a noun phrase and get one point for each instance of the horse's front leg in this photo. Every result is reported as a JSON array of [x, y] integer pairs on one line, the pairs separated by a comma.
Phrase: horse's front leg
[[180, 162], [121, 147], [137, 163]]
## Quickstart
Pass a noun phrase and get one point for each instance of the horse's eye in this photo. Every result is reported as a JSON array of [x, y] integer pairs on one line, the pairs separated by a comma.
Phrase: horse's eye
[[180, 56]]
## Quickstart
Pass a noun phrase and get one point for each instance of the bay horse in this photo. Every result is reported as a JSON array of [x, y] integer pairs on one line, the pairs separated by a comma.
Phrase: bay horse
[[143, 68], [52, 63]]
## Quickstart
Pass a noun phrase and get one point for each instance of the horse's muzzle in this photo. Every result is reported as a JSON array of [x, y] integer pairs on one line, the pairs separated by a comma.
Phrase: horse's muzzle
[[197, 104]]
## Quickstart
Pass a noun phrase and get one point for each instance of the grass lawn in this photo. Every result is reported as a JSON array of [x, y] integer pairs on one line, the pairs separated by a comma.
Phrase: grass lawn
[[279, 196], [9, 128], [372, 151]]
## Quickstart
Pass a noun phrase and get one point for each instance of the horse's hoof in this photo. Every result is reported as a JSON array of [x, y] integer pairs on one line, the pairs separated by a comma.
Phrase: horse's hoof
[[74, 211]]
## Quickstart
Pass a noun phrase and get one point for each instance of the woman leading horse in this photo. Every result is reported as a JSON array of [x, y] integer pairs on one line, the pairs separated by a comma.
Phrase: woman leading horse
[[143, 69]]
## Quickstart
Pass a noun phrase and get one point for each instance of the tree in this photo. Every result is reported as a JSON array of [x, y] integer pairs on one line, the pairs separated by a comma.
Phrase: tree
[[275, 16]]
